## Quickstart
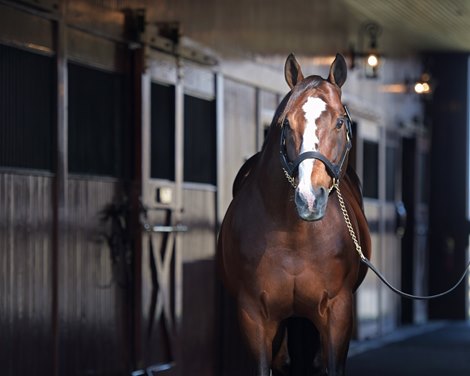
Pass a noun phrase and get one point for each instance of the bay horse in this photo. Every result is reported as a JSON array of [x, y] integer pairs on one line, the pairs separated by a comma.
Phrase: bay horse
[[284, 249]]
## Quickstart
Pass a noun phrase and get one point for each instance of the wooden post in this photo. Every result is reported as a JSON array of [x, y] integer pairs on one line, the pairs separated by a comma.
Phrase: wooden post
[[60, 181]]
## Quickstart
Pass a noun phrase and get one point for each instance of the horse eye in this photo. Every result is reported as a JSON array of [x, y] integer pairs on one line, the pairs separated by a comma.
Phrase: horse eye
[[339, 123], [286, 123]]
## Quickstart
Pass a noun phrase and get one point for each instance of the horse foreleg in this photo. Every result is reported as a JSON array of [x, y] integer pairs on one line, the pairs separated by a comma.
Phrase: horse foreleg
[[259, 333], [280, 364], [336, 332]]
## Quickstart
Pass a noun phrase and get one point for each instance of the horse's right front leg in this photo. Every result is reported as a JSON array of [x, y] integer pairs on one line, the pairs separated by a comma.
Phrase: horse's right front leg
[[336, 332], [258, 331]]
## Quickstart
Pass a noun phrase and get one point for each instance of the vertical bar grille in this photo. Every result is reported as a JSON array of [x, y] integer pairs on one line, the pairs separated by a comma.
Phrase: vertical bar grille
[[96, 122], [162, 132], [200, 137], [27, 109]]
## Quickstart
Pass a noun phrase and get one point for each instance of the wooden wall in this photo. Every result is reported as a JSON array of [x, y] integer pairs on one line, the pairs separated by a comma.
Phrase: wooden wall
[[93, 327], [92, 304], [26, 219], [240, 132]]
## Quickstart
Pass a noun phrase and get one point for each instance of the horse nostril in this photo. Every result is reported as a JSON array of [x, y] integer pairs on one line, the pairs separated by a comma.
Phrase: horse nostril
[[307, 200], [322, 195]]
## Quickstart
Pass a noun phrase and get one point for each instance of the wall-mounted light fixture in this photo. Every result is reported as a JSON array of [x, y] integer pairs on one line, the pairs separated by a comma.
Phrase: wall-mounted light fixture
[[368, 50], [423, 85]]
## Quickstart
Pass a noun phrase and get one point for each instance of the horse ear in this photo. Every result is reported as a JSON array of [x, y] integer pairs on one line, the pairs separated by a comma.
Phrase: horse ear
[[292, 71], [338, 71]]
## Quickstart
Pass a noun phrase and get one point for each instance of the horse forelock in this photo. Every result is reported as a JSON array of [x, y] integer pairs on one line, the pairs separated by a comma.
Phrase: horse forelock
[[309, 83]]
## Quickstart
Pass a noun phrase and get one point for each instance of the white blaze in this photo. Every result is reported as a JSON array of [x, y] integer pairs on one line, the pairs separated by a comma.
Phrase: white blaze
[[312, 109]]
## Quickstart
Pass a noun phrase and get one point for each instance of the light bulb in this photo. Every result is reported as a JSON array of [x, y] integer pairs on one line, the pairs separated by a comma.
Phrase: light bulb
[[422, 88], [419, 88], [372, 60]]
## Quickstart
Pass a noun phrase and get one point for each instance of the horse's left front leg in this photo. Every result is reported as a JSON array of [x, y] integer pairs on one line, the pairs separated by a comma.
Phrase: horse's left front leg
[[336, 332]]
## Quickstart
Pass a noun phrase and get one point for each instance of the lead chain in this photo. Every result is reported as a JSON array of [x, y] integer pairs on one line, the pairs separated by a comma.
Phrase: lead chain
[[289, 178], [348, 223]]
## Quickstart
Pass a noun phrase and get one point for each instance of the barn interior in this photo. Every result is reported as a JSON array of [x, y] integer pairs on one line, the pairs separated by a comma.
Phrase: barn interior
[[123, 124]]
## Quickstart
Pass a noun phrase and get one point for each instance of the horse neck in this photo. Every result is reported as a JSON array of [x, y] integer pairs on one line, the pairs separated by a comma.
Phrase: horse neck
[[273, 183]]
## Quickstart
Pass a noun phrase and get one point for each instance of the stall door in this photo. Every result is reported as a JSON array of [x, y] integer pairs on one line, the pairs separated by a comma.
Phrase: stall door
[[178, 218], [367, 165], [393, 229], [414, 260], [378, 166], [198, 244]]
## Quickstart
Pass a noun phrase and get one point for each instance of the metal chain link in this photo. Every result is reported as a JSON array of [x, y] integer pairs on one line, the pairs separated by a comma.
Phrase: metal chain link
[[348, 223], [289, 178]]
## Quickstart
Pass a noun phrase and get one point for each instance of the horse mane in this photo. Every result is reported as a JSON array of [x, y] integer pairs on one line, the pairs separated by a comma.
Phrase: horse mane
[[246, 168], [243, 173]]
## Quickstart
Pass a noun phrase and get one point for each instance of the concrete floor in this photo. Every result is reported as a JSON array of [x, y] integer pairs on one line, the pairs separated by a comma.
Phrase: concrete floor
[[434, 349]]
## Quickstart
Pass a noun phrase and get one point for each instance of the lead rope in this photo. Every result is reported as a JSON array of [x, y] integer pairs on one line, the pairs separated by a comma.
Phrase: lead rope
[[365, 261]]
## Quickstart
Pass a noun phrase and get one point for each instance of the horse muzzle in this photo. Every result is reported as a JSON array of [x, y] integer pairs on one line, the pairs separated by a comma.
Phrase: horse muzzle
[[311, 204]]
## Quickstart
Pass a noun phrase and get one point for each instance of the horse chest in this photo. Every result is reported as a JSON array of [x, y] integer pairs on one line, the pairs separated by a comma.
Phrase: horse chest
[[310, 265]]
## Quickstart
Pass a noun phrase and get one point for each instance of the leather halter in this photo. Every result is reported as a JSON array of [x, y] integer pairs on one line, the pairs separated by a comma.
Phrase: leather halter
[[334, 169]]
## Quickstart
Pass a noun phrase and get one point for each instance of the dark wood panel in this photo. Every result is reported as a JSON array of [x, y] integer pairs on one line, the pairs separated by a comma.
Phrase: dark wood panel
[[25, 274], [233, 354], [93, 326], [199, 316], [199, 319], [26, 30]]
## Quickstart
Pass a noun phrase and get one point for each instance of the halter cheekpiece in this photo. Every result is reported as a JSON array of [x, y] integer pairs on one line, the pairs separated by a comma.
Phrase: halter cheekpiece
[[334, 169]]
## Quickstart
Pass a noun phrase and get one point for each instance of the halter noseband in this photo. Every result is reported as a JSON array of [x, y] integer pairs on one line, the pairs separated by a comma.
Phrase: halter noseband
[[334, 169]]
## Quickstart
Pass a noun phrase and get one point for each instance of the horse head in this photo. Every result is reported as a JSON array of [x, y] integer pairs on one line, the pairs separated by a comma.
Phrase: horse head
[[315, 136]]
